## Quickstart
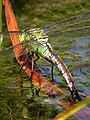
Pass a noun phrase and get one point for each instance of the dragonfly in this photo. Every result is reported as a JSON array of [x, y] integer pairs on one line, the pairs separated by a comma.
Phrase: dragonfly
[[38, 41]]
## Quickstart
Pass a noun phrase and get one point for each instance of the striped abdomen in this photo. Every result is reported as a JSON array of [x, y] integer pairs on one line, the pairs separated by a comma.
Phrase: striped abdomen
[[48, 54]]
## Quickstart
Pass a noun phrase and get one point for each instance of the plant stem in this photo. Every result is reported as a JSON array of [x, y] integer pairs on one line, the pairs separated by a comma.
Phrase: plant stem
[[0, 15], [72, 110]]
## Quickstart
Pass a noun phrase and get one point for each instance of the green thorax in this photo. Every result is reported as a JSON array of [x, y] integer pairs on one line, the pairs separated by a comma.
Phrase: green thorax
[[35, 40]]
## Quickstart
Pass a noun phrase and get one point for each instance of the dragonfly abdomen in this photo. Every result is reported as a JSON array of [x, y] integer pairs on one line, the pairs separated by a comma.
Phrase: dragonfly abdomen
[[47, 53], [55, 59]]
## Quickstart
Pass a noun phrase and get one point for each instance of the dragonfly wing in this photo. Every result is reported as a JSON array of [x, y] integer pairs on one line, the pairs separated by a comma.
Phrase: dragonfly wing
[[70, 29], [74, 41], [69, 23], [72, 33], [68, 32]]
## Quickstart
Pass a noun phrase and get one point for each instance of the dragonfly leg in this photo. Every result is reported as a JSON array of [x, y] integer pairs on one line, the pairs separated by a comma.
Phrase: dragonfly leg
[[23, 57], [52, 72], [36, 58], [33, 62]]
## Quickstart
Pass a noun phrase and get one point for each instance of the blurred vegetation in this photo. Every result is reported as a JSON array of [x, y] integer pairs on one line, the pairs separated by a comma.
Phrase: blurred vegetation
[[32, 13]]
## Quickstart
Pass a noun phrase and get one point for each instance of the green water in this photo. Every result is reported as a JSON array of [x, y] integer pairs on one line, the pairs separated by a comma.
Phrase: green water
[[74, 52]]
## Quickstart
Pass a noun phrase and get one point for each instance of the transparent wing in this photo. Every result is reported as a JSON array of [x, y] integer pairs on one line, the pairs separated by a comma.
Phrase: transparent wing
[[69, 23], [71, 37], [73, 45]]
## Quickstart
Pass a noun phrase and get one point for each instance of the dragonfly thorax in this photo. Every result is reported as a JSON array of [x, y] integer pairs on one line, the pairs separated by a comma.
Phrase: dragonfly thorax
[[35, 34], [35, 39]]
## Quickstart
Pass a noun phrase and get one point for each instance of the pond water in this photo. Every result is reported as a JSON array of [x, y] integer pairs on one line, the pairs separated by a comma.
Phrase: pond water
[[75, 52]]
